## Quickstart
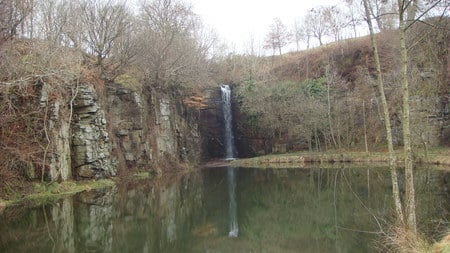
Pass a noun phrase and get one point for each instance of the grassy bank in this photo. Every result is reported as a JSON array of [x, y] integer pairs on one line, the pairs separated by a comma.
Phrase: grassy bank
[[43, 192], [439, 156]]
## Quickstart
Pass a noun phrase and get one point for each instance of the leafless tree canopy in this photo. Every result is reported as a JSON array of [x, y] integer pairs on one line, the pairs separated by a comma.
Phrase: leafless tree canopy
[[174, 42], [105, 22], [12, 15], [277, 37]]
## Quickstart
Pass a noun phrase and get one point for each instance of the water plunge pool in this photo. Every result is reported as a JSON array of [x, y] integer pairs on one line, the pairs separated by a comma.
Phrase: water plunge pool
[[274, 210]]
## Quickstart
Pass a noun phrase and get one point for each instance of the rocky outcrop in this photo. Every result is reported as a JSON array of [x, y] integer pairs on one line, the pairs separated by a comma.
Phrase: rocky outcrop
[[92, 133], [129, 127], [91, 147], [212, 126], [151, 130], [57, 131]]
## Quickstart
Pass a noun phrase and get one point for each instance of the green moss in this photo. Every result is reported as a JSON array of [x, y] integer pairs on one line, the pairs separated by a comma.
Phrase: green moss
[[43, 192], [128, 82], [142, 175]]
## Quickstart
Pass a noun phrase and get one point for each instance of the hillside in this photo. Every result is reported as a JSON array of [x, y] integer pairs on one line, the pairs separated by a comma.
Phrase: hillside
[[62, 120], [326, 97]]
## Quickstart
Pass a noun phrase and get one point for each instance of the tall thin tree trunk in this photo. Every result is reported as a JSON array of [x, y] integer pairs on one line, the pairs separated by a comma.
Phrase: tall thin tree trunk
[[387, 121], [410, 204], [365, 127]]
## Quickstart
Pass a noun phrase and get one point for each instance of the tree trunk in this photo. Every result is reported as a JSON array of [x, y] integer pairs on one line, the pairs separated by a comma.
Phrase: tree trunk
[[387, 121], [410, 205], [365, 127]]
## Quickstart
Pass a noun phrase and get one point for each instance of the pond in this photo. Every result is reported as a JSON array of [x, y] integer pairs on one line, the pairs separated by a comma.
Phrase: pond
[[229, 210]]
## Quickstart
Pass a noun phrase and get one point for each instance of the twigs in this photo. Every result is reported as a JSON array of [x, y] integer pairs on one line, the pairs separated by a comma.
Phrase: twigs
[[48, 142], [32, 79], [47, 225], [380, 227], [74, 95]]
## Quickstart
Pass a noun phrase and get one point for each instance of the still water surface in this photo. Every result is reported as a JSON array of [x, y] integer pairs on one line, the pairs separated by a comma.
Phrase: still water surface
[[228, 210]]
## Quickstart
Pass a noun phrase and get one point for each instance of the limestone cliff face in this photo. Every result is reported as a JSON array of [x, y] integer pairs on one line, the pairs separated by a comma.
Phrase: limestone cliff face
[[152, 130], [98, 133], [129, 126], [57, 131], [91, 146]]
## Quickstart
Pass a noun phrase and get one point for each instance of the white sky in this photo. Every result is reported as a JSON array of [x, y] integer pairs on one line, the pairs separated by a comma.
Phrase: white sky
[[236, 21]]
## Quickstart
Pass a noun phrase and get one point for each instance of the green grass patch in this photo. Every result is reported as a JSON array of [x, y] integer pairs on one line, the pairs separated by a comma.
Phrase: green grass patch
[[43, 192], [128, 82], [439, 156], [142, 175]]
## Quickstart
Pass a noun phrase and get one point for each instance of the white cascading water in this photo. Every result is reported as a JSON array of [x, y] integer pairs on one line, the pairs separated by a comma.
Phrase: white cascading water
[[234, 229], [228, 121], [229, 155]]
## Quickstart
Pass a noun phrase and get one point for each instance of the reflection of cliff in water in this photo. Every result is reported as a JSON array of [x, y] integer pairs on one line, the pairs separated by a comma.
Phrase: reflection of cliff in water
[[280, 210], [159, 218], [137, 217]]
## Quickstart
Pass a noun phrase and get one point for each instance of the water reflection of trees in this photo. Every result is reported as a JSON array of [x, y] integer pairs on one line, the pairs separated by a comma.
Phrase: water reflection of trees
[[327, 210], [279, 210], [134, 217]]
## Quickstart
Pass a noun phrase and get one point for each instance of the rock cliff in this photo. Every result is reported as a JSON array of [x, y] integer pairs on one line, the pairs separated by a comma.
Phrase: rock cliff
[[116, 129], [151, 129], [211, 125], [91, 146], [212, 128]]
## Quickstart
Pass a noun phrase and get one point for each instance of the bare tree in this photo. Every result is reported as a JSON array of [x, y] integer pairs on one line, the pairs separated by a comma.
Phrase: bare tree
[[105, 22], [12, 14], [60, 22], [277, 37], [317, 23], [175, 43], [384, 13], [387, 120], [407, 11], [337, 21], [300, 33], [354, 13], [53, 17]]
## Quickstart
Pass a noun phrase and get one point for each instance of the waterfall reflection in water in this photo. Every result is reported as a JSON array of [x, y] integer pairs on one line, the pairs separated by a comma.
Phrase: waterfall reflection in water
[[234, 230], [280, 210], [228, 122], [229, 155]]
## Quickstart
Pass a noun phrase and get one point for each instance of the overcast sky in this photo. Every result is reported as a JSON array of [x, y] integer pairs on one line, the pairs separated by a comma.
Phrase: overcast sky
[[236, 21]]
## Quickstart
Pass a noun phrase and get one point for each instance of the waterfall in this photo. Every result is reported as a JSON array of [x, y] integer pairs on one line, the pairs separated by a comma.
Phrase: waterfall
[[229, 155], [228, 117], [234, 230]]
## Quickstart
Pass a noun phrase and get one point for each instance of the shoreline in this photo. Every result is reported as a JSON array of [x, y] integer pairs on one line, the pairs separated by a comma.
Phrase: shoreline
[[46, 192], [308, 158], [43, 192]]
